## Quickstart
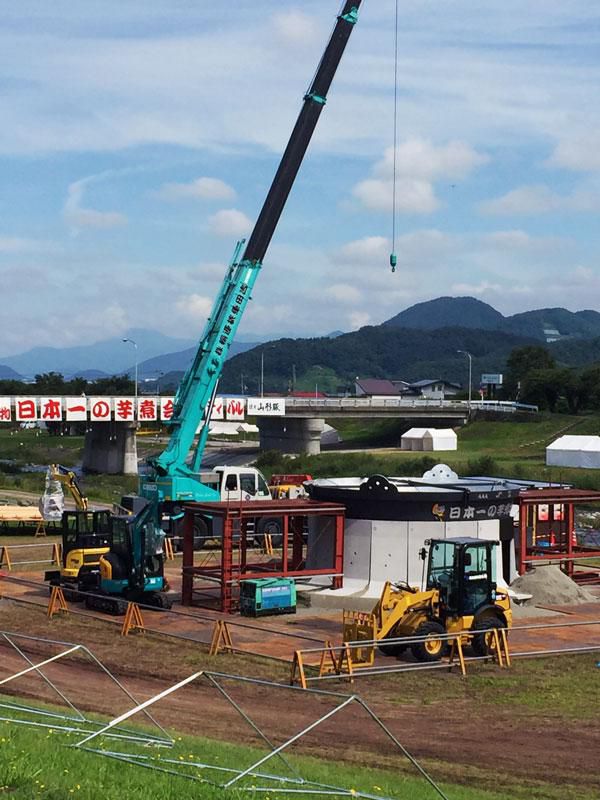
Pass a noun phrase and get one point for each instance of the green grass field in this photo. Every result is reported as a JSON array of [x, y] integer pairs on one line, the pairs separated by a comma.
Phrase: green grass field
[[501, 448], [43, 763]]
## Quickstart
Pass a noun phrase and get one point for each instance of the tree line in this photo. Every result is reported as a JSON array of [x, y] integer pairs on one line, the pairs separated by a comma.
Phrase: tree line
[[533, 376], [53, 383]]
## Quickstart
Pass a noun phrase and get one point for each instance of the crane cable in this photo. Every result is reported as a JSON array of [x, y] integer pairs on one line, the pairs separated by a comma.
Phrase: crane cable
[[393, 257]]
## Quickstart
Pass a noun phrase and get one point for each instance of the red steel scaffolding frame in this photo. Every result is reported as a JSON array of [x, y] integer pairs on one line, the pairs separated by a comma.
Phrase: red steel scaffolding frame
[[236, 564], [551, 535]]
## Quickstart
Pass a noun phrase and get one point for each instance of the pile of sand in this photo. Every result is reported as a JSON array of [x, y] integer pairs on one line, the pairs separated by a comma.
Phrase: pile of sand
[[549, 586]]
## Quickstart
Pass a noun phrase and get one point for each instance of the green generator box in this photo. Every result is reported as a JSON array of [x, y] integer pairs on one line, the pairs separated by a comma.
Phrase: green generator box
[[267, 596]]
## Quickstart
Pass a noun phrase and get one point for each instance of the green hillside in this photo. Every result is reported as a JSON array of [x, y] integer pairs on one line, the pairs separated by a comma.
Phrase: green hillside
[[371, 352]]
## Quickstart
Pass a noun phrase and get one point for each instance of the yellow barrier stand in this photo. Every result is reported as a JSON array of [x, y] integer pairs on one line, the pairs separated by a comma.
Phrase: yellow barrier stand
[[298, 670], [328, 652], [133, 620], [169, 554], [40, 529], [56, 553], [267, 547], [221, 638], [5, 558], [500, 652], [504, 645], [456, 648], [57, 602], [346, 655]]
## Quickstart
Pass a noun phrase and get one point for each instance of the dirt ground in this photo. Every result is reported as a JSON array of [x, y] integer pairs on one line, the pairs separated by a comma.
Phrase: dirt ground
[[457, 734]]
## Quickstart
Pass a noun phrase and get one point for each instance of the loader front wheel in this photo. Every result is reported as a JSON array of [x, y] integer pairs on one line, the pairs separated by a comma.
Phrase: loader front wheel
[[394, 650], [483, 644], [432, 648]]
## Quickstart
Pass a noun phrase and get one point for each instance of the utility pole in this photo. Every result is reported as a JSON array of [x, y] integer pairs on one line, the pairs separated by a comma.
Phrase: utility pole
[[465, 353]]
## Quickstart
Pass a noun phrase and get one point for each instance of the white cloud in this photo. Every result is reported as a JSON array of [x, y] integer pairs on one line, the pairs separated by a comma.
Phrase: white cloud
[[370, 249], [540, 199], [229, 222], [419, 158], [418, 164], [294, 27], [204, 188], [358, 319], [413, 196], [492, 291], [194, 307], [14, 244], [344, 293], [581, 153], [79, 217]]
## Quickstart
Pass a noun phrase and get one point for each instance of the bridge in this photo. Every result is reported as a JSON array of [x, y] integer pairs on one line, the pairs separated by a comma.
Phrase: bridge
[[289, 424], [300, 429]]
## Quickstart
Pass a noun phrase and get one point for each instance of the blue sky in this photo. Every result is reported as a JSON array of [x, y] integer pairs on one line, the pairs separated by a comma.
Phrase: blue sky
[[138, 141]]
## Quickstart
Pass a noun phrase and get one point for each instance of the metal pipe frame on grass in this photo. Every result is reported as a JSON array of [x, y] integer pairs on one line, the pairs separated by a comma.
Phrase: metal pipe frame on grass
[[303, 785], [9, 636]]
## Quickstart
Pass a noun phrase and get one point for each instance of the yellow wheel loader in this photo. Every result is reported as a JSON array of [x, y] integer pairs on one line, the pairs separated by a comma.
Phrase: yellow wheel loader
[[460, 596]]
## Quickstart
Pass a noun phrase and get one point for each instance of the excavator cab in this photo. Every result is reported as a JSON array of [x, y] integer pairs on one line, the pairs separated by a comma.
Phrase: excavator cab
[[86, 536], [463, 570], [134, 567]]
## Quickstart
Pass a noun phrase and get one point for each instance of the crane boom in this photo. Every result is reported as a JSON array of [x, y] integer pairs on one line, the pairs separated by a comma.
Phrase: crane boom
[[174, 478]]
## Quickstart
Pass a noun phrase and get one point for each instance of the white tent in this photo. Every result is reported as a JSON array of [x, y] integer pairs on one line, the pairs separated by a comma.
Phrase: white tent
[[439, 439], [413, 439], [429, 439], [574, 451]]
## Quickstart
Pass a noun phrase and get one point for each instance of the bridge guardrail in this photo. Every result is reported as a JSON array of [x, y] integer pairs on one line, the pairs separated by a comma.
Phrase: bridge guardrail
[[375, 403]]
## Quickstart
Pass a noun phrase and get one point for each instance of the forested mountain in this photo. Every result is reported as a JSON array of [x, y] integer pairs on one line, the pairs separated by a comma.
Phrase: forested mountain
[[9, 374], [449, 312], [374, 352], [544, 324]]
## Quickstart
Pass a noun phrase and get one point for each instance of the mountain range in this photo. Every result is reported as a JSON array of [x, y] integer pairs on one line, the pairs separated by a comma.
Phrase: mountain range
[[545, 324], [420, 342]]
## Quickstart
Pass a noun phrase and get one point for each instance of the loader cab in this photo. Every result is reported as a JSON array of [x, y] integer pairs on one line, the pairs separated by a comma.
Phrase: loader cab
[[463, 570]]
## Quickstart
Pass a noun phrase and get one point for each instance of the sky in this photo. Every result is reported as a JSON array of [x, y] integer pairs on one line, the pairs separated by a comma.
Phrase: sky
[[138, 141]]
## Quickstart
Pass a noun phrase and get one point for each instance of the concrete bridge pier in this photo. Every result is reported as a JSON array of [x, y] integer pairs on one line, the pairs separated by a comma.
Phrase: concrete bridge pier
[[291, 434], [111, 448]]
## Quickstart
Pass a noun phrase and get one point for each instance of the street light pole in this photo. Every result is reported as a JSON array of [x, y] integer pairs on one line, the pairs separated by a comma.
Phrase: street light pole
[[136, 375], [465, 353], [262, 373]]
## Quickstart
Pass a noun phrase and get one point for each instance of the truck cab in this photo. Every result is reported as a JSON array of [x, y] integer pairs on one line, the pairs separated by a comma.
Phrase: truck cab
[[242, 483]]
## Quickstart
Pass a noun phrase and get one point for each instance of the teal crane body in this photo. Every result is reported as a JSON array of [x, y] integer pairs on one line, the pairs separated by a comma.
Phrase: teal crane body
[[176, 472]]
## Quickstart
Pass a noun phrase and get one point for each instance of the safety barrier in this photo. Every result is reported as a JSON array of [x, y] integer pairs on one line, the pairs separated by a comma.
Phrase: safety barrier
[[6, 560], [133, 620], [315, 662], [57, 602], [169, 553], [346, 659]]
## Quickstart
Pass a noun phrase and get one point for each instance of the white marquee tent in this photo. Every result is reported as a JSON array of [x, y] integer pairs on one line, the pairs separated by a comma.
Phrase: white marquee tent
[[429, 439], [574, 451]]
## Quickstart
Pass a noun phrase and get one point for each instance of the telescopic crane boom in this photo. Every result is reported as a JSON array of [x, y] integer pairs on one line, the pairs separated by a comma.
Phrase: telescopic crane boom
[[174, 478]]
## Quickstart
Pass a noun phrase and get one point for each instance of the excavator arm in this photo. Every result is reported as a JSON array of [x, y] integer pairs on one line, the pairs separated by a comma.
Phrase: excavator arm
[[69, 479]]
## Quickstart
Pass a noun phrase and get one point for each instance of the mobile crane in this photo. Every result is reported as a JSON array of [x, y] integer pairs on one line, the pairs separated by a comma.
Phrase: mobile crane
[[133, 569], [175, 477]]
